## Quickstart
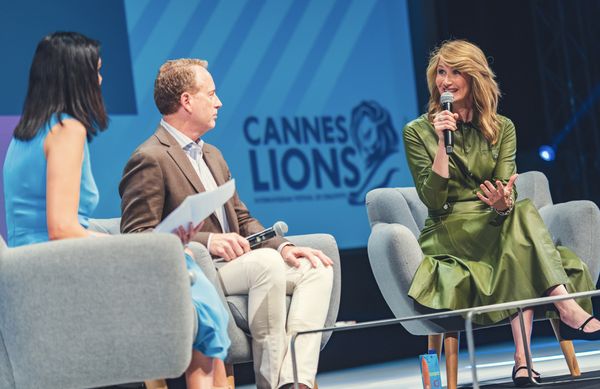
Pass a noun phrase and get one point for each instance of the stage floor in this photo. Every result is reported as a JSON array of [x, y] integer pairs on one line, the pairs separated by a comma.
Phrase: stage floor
[[494, 368]]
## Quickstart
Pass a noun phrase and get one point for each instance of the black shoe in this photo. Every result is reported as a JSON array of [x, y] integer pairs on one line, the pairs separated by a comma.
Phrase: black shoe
[[570, 333], [524, 381], [537, 376]]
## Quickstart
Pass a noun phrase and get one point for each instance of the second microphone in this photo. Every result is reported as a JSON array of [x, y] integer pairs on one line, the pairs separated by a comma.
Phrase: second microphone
[[278, 229]]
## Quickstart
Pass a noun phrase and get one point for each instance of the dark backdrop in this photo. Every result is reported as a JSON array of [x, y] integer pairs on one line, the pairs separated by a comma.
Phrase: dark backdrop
[[546, 56]]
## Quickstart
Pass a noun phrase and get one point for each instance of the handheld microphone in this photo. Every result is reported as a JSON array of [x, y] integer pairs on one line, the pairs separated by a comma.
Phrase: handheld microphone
[[278, 229], [446, 100]]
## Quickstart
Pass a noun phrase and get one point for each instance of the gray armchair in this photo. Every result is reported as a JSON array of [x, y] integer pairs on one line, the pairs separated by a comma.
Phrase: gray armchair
[[397, 215], [90, 312], [239, 333]]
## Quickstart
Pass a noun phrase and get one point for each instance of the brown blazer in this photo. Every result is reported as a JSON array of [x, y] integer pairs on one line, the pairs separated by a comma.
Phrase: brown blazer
[[159, 176]]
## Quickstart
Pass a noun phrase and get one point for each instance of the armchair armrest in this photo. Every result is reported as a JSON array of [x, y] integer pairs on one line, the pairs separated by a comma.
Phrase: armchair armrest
[[94, 312], [575, 224], [240, 346], [204, 260], [395, 255]]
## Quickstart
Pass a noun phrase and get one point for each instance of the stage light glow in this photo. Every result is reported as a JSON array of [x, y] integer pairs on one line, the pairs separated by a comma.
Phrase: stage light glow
[[547, 153], [535, 359]]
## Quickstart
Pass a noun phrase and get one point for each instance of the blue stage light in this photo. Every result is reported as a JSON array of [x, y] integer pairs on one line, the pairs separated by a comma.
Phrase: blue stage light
[[547, 153]]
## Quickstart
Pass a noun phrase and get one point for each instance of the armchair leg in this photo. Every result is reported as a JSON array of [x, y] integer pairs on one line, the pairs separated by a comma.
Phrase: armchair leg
[[230, 376], [434, 342], [156, 384], [451, 353], [568, 350]]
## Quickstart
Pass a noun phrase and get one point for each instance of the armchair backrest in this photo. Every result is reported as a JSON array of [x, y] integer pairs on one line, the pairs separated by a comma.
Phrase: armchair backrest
[[92, 312], [403, 206], [6, 376], [396, 205], [534, 185]]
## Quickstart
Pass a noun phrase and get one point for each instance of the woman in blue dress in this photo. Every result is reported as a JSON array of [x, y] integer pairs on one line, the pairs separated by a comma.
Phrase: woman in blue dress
[[49, 188]]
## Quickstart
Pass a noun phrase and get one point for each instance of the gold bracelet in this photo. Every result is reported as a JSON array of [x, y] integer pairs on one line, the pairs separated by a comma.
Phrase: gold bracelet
[[507, 211]]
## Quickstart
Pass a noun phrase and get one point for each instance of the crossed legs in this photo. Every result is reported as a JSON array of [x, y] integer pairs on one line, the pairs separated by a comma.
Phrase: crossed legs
[[570, 313], [266, 279]]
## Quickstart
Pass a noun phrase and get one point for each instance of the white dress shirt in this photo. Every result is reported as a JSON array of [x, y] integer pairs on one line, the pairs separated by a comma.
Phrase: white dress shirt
[[193, 150]]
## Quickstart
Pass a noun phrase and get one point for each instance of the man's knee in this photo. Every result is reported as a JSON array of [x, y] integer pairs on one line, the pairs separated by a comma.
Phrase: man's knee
[[268, 264], [324, 274], [321, 274]]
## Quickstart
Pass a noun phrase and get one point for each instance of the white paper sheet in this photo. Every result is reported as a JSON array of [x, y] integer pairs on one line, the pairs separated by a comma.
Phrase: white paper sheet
[[196, 208]]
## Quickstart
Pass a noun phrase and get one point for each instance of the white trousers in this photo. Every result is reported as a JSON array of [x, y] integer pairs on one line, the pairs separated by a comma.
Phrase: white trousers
[[267, 279]]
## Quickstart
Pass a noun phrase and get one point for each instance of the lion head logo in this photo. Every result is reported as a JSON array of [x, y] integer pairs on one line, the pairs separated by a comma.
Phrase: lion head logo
[[372, 132], [375, 140]]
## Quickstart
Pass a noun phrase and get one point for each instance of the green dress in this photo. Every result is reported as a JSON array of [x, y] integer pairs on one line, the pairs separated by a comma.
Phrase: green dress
[[473, 256]]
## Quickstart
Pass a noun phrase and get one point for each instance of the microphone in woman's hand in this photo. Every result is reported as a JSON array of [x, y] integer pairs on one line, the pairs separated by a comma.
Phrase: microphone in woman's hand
[[446, 100]]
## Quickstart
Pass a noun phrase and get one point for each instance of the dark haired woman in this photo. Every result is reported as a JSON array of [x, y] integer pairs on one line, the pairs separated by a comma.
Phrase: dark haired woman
[[48, 184], [48, 156]]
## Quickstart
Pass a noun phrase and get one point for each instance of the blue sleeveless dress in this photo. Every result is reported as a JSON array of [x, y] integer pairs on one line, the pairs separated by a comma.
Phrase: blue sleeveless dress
[[25, 203], [25, 188]]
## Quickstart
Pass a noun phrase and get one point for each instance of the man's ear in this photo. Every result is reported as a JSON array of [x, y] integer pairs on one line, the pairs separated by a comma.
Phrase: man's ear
[[185, 101]]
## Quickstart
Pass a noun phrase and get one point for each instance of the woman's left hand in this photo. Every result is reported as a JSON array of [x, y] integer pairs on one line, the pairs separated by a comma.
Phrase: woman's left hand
[[498, 197], [186, 234]]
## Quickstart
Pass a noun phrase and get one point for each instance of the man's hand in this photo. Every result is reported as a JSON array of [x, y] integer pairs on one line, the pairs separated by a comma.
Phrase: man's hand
[[292, 255], [228, 246]]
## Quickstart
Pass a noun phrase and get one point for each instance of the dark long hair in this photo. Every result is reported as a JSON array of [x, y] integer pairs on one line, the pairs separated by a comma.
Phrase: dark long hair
[[63, 79]]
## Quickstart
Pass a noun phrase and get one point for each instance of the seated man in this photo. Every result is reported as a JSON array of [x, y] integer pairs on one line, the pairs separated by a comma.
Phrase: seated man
[[174, 163]]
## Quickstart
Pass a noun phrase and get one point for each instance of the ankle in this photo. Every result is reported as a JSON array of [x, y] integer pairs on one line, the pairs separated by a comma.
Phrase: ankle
[[566, 311], [519, 360]]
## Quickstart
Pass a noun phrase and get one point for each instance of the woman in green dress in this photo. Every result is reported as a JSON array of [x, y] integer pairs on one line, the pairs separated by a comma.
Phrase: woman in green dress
[[481, 245]]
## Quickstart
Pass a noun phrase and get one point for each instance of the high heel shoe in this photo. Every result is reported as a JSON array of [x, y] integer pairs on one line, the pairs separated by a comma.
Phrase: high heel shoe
[[570, 333], [524, 380], [537, 376]]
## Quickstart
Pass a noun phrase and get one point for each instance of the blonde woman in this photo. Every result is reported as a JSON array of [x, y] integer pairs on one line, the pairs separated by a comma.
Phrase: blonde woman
[[481, 246]]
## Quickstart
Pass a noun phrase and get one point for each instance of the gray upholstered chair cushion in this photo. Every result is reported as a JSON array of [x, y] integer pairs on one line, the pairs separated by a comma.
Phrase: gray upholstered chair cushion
[[94, 312], [238, 330], [397, 216]]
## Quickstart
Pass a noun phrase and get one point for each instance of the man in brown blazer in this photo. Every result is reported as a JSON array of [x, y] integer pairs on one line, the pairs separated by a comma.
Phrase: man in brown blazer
[[174, 163]]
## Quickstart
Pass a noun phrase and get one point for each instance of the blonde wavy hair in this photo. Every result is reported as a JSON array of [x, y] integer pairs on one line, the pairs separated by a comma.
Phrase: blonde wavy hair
[[468, 59]]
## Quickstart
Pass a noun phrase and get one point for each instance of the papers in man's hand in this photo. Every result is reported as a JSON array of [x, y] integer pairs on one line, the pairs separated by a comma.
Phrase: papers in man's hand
[[196, 208]]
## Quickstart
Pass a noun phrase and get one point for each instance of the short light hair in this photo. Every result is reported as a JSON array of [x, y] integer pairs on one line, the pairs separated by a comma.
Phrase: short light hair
[[174, 78]]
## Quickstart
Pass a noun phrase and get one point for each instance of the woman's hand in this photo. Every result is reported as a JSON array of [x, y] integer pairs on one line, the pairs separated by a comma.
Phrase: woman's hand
[[444, 120], [186, 234], [499, 197]]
